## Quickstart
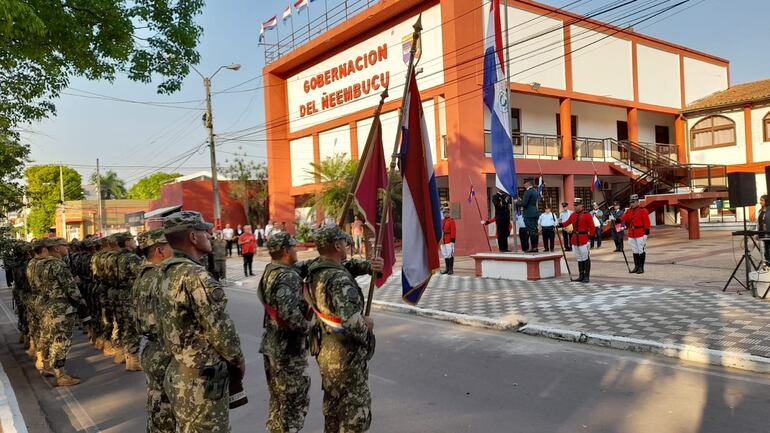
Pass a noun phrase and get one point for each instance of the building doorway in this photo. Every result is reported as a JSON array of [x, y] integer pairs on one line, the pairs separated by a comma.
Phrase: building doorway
[[622, 130]]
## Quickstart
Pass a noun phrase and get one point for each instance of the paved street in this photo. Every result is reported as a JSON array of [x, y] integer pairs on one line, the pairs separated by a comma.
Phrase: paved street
[[432, 376]]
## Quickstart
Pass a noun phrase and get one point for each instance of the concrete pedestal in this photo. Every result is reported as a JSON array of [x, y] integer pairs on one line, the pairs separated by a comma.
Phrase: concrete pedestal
[[514, 266]]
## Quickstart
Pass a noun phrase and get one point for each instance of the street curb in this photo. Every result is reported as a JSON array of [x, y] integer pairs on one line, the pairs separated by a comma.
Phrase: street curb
[[462, 319], [737, 360], [11, 420]]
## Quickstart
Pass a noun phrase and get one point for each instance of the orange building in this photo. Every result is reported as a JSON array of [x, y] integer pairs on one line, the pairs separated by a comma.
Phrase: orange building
[[587, 98]]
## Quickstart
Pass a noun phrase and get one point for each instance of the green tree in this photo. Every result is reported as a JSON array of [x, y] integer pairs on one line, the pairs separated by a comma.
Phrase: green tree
[[43, 191], [248, 184], [113, 187], [148, 188], [13, 156], [336, 175], [44, 43]]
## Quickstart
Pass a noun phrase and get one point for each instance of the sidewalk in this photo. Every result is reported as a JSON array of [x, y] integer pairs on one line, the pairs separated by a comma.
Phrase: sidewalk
[[675, 309], [690, 324]]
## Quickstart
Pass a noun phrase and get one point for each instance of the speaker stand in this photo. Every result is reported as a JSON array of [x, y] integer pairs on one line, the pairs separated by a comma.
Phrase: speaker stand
[[745, 260]]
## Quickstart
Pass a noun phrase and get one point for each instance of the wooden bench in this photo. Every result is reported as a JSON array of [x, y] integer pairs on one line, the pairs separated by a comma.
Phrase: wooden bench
[[518, 266]]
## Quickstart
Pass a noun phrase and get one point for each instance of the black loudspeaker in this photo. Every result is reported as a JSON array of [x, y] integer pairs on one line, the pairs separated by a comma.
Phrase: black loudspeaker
[[767, 179], [742, 189]]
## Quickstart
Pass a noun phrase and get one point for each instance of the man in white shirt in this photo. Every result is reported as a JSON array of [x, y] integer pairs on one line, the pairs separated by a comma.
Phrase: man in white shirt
[[269, 228], [564, 216], [227, 235], [547, 223]]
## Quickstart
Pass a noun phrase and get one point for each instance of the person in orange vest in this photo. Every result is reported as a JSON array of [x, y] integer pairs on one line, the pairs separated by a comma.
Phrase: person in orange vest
[[581, 225], [637, 220], [449, 228]]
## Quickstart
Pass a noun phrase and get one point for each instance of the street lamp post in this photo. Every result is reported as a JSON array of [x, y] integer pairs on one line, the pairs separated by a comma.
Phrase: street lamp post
[[209, 122]]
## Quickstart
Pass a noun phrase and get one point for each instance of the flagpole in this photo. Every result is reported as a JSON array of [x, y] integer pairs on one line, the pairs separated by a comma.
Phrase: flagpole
[[308, 21], [481, 217], [386, 205], [364, 154], [291, 18], [508, 95]]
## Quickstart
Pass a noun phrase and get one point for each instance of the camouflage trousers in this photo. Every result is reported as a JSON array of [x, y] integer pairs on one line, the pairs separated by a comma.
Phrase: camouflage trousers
[[56, 337], [160, 415], [129, 337], [34, 319], [345, 381], [200, 404], [288, 383], [105, 313], [21, 312]]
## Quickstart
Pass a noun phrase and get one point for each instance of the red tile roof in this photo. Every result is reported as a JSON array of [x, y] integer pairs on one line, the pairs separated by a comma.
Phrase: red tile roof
[[739, 94]]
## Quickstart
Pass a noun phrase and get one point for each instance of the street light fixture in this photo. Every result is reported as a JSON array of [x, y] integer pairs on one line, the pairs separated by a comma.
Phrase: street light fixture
[[208, 121]]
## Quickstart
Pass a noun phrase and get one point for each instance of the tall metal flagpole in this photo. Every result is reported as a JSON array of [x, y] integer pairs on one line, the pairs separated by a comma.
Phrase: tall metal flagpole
[[326, 14], [508, 96], [394, 160], [291, 18], [63, 207], [99, 199]]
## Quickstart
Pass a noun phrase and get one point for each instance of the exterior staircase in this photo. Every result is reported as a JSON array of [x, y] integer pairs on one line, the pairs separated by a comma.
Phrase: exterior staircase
[[655, 176]]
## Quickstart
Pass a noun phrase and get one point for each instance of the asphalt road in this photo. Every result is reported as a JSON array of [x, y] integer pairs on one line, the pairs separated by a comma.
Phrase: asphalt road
[[429, 377]]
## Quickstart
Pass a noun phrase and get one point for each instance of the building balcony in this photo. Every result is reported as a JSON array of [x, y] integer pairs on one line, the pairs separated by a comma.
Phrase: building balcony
[[528, 145]]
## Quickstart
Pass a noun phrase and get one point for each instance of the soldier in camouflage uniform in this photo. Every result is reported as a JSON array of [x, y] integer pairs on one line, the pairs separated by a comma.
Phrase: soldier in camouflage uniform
[[127, 268], [347, 341], [59, 315], [16, 261], [103, 266], [196, 329], [284, 346], [36, 300], [154, 358], [81, 264]]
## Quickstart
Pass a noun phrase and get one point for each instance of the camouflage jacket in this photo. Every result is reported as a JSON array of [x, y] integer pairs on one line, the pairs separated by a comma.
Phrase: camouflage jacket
[[20, 281], [34, 275], [144, 296], [58, 281], [336, 293], [194, 324], [280, 290], [127, 266]]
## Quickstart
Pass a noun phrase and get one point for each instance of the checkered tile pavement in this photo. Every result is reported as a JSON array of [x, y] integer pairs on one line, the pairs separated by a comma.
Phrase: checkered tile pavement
[[701, 318]]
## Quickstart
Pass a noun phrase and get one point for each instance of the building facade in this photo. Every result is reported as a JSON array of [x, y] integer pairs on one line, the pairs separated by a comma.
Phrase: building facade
[[82, 217], [585, 96], [732, 127]]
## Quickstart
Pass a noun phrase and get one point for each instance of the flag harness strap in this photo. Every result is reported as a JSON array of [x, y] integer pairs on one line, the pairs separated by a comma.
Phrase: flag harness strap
[[271, 311], [333, 323]]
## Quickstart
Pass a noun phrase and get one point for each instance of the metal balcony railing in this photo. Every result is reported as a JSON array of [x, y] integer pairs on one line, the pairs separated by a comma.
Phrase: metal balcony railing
[[544, 146], [299, 30]]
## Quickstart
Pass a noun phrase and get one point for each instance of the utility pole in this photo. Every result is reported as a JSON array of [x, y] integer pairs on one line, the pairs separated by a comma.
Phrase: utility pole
[[212, 149], [99, 199], [61, 198]]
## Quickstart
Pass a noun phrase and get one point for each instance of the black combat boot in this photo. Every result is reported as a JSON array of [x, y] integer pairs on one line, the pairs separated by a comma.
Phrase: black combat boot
[[446, 265], [581, 268], [636, 264], [642, 256], [587, 269], [451, 268]]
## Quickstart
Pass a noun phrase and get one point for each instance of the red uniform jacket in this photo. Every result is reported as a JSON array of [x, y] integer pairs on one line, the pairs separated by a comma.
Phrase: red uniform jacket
[[583, 227], [637, 220], [449, 228]]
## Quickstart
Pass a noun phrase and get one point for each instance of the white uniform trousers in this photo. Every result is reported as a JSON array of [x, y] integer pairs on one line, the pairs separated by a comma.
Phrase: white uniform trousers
[[638, 244]]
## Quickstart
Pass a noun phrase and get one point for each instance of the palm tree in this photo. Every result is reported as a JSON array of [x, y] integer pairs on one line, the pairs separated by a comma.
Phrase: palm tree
[[112, 187], [336, 176]]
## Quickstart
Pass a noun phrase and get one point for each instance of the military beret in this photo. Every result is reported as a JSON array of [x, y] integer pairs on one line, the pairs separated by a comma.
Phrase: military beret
[[150, 238], [281, 240], [327, 234], [185, 220]]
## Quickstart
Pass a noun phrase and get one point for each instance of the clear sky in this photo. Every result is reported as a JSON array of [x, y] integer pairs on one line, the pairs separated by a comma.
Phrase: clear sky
[[125, 134]]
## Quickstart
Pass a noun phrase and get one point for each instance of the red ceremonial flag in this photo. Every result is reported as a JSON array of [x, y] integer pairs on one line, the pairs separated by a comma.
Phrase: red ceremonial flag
[[370, 193]]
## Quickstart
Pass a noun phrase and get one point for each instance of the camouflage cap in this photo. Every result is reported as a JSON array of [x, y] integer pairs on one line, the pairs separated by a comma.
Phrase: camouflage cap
[[150, 238], [75, 243], [185, 220], [110, 240], [54, 242], [122, 236], [327, 234], [281, 240]]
